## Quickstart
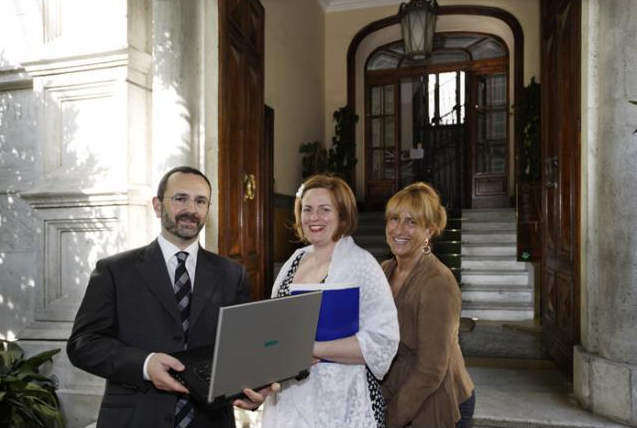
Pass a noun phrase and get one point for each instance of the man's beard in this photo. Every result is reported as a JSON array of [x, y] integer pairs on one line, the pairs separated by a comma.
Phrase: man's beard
[[181, 232]]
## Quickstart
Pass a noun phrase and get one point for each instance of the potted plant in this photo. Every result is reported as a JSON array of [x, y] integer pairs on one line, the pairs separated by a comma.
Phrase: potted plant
[[340, 159], [342, 155], [27, 398], [314, 160]]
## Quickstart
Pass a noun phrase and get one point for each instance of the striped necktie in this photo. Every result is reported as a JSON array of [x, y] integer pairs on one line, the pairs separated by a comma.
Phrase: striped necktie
[[184, 412]]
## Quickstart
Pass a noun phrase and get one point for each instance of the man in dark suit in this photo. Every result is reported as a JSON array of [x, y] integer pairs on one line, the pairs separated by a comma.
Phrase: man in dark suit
[[143, 304]]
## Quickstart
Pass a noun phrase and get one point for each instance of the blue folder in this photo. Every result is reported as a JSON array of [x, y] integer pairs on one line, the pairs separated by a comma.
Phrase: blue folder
[[338, 316]]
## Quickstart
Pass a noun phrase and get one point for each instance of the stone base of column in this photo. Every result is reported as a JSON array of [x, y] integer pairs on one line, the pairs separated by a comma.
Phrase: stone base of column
[[605, 387]]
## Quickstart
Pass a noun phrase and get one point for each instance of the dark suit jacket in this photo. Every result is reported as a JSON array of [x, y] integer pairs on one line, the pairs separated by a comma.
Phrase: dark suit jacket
[[130, 310]]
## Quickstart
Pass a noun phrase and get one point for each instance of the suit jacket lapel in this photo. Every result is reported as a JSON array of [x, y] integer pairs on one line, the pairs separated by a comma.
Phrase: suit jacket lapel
[[152, 267], [206, 275]]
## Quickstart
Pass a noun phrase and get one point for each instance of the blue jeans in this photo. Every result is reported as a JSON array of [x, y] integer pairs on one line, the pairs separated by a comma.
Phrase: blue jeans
[[466, 412]]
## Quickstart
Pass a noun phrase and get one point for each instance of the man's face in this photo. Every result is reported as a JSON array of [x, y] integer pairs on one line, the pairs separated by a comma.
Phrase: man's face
[[184, 208]]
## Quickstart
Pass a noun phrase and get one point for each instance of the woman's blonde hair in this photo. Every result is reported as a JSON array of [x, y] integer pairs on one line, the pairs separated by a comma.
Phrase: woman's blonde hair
[[342, 197], [423, 203]]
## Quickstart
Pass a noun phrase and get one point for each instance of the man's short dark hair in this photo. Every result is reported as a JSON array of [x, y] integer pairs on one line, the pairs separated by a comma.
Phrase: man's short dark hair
[[161, 188]]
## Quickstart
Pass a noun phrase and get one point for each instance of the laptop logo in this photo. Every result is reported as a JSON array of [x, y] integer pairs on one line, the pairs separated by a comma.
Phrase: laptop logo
[[270, 343]]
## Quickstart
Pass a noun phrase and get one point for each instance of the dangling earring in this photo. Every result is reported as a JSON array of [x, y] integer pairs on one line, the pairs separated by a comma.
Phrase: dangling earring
[[426, 249]]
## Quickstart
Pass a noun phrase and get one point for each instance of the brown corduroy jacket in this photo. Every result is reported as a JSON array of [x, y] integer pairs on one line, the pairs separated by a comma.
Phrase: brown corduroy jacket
[[428, 379]]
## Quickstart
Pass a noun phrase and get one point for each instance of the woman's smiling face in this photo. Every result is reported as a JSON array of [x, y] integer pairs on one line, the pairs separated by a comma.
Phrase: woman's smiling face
[[404, 235], [319, 217]]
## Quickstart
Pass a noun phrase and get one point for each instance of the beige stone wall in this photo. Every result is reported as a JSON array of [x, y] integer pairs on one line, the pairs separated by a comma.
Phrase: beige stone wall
[[341, 27], [294, 81]]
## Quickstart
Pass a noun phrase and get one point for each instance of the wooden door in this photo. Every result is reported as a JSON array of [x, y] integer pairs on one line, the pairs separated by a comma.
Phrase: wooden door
[[560, 117], [242, 190], [488, 112], [382, 148]]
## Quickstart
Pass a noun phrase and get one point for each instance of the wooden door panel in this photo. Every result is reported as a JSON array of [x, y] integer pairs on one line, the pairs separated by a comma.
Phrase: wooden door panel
[[560, 112], [233, 132], [241, 139], [254, 121]]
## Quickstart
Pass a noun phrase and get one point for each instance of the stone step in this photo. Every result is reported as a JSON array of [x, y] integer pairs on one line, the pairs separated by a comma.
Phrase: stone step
[[496, 278], [482, 226], [370, 240], [492, 263], [472, 293], [367, 217], [446, 247], [498, 311], [377, 228], [490, 236], [481, 249], [453, 234], [506, 214]]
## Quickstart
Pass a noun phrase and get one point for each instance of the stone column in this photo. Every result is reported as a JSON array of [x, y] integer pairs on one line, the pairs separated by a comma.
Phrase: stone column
[[605, 364], [75, 153]]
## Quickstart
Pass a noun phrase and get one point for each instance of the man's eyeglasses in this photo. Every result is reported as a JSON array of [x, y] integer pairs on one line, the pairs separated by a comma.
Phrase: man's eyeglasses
[[182, 201]]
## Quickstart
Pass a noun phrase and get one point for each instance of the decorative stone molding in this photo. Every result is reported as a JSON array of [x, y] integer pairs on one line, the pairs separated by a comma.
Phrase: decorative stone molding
[[15, 79], [76, 230]]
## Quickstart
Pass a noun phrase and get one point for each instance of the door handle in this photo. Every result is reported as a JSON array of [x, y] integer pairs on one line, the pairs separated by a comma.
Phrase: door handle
[[249, 187], [551, 168]]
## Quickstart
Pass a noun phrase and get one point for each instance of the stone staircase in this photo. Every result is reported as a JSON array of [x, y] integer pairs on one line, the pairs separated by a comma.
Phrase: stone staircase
[[495, 286], [370, 234]]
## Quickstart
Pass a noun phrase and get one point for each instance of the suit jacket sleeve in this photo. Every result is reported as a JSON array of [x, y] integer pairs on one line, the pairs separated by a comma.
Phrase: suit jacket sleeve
[[93, 345], [437, 316]]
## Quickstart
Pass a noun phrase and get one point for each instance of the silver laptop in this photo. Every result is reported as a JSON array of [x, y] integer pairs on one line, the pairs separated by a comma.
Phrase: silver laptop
[[256, 344]]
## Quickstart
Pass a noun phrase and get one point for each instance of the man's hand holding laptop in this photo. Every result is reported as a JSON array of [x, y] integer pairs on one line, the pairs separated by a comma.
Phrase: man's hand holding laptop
[[255, 398], [159, 364]]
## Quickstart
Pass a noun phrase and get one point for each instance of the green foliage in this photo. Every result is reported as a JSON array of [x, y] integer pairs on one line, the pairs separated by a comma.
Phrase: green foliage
[[340, 159], [314, 160], [528, 113], [27, 398], [342, 155]]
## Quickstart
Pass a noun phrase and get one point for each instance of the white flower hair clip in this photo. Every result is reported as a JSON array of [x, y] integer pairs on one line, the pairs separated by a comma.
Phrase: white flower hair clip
[[299, 193]]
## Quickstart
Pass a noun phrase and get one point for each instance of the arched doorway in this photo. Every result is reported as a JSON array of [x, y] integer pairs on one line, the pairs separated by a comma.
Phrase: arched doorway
[[460, 17], [443, 121]]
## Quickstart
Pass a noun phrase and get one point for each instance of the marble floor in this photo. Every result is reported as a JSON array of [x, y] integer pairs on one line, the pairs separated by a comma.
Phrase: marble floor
[[527, 394], [513, 394]]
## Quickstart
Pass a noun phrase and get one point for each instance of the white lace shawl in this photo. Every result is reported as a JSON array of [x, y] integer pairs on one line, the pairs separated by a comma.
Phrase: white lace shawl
[[336, 395]]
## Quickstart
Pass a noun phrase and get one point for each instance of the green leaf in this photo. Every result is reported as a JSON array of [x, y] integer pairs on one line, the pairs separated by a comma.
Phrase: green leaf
[[27, 398], [37, 360]]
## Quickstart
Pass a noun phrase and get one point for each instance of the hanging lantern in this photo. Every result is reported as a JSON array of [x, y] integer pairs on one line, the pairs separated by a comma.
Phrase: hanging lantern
[[418, 24]]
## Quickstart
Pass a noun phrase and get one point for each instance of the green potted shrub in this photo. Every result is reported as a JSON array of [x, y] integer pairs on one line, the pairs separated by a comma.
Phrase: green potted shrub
[[340, 159], [27, 398]]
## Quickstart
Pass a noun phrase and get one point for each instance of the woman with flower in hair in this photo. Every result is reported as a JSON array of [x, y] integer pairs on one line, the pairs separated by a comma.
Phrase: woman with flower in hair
[[428, 384], [342, 389]]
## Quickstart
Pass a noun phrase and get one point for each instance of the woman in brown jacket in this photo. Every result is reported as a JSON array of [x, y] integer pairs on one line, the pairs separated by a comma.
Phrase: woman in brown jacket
[[427, 384]]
